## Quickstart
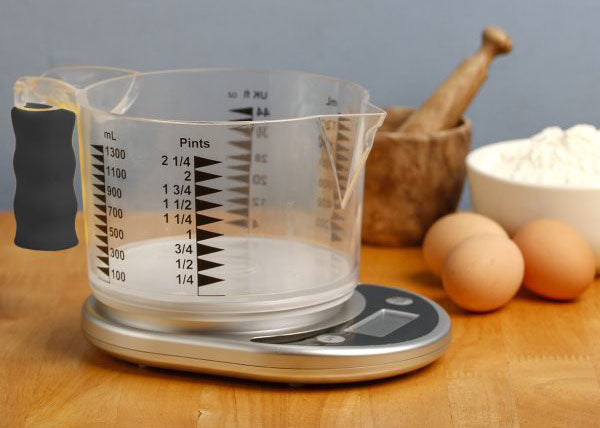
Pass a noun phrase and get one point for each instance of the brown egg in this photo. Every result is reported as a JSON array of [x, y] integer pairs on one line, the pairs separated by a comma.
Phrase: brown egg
[[559, 264], [451, 230], [483, 272]]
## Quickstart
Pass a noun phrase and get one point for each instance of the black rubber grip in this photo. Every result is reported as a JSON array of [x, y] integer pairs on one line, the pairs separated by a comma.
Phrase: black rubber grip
[[45, 204]]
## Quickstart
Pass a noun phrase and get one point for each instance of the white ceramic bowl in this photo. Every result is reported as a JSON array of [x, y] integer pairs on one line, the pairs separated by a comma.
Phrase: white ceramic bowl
[[512, 203]]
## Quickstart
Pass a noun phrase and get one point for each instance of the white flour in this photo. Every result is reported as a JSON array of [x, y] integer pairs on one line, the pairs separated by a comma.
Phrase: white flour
[[554, 157]]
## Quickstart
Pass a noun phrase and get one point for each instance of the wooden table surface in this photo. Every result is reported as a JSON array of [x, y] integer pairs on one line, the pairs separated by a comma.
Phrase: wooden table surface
[[531, 364]]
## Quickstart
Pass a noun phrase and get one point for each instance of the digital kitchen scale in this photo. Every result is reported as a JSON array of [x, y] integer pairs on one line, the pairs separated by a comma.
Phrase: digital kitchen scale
[[379, 332]]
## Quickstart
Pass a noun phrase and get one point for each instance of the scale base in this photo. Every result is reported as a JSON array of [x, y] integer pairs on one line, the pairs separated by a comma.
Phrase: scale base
[[395, 332]]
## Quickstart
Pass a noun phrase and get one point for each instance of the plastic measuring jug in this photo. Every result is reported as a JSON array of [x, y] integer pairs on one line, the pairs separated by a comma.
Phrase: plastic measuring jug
[[216, 199]]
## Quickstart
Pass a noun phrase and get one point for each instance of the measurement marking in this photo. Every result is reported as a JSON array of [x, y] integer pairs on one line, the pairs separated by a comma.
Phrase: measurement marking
[[245, 130], [203, 191], [205, 205], [204, 176], [342, 165], [241, 222], [242, 144], [241, 178], [245, 145], [99, 177], [244, 168], [202, 220], [99, 158], [205, 264], [242, 158], [242, 190], [203, 250], [240, 211], [99, 191], [247, 111], [241, 201]]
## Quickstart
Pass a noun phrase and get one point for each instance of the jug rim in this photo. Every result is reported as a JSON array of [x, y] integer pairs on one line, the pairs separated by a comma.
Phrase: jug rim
[[371, 110]]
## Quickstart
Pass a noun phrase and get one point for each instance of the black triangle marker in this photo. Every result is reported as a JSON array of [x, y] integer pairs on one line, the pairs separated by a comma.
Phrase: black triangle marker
[[341, 148], [202, 250], [240, 223], [103, 229], [200, 162], [203, 190], [244, 130], [101, 197], [342, 127], [205, 264], [337, 216], [245, 110], [99, 167], [201, 220], [242, 158], [202, 234], [100, 177], [98, 147], [99, 158], [104, 269], [206, 280], [342, 137], [204, 176], [335, 238], [242, 144], [101, 217], [241, 211], [241, 201], [336, 227], [205, 205], [241, 190], [103, 238], [101, 207], [243, 168], [241, 178], [102, 248], [103, 260], [100, 187]]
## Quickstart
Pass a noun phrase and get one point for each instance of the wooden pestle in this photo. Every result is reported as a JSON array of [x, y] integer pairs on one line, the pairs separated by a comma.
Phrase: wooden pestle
[[445, 107]]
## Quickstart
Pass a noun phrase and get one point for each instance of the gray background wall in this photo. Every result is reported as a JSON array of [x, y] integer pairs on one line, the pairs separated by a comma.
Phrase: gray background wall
[[400, 50]]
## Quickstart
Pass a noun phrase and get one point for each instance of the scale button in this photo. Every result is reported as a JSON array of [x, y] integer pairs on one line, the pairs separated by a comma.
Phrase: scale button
[[399, 301], [330, 338]]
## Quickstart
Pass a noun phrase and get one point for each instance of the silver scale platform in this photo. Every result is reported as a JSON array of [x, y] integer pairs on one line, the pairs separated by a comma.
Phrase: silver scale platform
[[395, 332]]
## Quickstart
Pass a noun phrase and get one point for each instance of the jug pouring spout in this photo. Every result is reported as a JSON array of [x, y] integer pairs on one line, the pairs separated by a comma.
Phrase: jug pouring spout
[[33, 92], [60, 87], [348, 139]]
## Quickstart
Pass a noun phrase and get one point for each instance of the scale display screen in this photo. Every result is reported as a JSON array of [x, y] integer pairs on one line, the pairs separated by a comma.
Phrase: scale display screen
[[382, 323]]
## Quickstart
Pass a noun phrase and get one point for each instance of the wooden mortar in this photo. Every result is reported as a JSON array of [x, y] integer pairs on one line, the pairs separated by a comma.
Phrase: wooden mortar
[[416, 169], [411, 180]]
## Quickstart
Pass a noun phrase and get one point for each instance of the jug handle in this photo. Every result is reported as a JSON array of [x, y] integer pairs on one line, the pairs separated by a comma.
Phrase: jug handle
[[44, 162], [45, 204]]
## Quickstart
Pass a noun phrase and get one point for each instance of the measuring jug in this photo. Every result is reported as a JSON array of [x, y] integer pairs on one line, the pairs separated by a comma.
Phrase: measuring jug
[[216, 199]]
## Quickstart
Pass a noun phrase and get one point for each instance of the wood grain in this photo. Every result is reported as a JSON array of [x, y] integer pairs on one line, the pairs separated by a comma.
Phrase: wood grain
[[447, 104], [411, 180], [532, 364]]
